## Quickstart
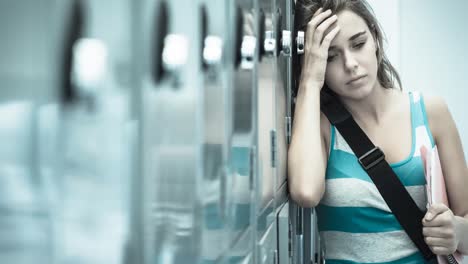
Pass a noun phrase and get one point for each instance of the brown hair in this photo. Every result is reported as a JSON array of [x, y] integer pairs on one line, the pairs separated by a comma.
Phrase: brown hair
[[304, 11]]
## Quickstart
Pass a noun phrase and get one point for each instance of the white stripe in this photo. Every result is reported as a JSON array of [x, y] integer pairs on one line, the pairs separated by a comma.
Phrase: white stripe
[[359, 193], [340, 143], [369, 247]]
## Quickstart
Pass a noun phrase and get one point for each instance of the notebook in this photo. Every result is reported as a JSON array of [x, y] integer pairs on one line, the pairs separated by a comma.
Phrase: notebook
[[436, 192]]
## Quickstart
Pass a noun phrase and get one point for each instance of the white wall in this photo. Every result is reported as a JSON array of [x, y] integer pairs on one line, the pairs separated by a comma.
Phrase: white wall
[[433, 39], [427, 44], [388, 15]]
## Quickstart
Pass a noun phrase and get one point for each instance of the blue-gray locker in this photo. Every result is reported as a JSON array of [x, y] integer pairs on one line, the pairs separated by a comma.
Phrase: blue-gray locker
[[95, 132], [28, 114], [266, 248], [174, 185], [275, 32], [225, 191], [242, 54]]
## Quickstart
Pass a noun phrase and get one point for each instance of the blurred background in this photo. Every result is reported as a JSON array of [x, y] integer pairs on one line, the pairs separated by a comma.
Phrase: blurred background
[[156, 131]]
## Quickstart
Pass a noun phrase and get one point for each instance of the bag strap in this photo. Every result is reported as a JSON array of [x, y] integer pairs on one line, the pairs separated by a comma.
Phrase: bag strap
[[372, 159]]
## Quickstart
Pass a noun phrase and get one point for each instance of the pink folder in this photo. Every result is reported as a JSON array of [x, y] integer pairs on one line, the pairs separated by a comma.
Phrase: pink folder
[[435, 190]]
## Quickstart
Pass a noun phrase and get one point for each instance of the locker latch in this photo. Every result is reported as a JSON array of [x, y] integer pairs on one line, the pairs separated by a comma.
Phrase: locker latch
[[248, 48], [270, 43], [286, 43], [300, 41], [175, 53], [213, 50]]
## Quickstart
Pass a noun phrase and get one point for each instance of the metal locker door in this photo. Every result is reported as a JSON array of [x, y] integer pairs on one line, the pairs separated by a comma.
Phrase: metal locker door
[[28, 71], [283, 30], [173, 124], [222, 189], [95, 132], [266, 132], [284, 233], [241, 63]]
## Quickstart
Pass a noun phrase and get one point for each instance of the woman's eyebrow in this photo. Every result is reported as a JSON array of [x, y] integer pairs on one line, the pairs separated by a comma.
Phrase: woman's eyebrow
[[357, 35], [353, 37]]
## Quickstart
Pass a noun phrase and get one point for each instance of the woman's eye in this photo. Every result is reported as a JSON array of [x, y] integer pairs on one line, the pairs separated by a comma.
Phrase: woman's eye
[[359, 45], [331, 57]]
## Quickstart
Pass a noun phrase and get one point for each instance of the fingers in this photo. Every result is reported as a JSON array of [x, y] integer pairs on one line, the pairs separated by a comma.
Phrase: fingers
[[329, 37], [441, 250], [441, 240], [319, 23], [318, 11], [436, 241], [440, 220], [320, 31], [435, 210], [435, 232]]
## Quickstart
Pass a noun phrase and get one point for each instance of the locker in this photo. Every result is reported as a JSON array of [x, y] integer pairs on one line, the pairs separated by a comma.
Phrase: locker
[[242, 72], [28, 74], [266, 133], [94, 132], [174, 186]]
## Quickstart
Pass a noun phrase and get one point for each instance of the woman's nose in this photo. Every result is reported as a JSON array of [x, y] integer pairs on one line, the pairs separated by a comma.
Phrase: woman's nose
[[350, 62]]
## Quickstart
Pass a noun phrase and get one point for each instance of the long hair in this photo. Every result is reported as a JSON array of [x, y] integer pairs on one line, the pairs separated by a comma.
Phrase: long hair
[[304, 11]]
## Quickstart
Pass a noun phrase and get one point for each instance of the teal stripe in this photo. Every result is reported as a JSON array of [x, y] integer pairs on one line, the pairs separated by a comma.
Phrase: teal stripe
[[415, 114], [425, 121], [332, 140], [415, 258], [355, 219], [344, 165]]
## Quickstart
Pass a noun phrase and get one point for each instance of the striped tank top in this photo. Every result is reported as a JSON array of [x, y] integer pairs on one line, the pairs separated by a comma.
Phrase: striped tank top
[[355, 223]]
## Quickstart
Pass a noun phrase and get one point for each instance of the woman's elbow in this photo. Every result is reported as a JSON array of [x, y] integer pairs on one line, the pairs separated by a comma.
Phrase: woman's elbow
[[306, 199]]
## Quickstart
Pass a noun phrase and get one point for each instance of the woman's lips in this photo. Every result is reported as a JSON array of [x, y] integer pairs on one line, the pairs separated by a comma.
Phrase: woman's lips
[[357, 80]]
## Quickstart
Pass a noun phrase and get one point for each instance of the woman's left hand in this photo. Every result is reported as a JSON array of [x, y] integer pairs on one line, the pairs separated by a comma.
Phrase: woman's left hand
[[439, 230]]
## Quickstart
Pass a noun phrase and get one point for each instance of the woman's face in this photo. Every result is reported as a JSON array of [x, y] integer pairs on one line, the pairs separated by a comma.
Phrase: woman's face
[[352, 54]]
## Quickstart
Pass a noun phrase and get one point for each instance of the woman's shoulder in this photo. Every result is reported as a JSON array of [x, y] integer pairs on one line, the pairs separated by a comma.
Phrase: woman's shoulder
[[437, 113]]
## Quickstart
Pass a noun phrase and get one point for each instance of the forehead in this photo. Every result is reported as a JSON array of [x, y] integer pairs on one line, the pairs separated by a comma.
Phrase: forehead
[[350, 23]]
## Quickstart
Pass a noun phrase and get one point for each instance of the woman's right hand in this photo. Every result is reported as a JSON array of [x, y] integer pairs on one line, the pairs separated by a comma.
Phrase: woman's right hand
[[316, 50]]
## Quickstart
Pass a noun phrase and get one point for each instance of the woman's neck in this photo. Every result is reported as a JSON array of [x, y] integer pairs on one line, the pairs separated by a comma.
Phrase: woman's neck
[[372, 109]]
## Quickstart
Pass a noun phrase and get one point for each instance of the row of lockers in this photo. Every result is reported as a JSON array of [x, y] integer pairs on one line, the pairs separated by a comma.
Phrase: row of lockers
[[148, 131]]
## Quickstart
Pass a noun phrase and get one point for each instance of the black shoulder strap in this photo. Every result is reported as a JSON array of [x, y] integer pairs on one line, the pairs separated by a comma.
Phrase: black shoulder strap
[[372, 159]]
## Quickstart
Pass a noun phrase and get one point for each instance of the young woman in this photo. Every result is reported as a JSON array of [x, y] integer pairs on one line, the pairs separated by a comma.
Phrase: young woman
[[344, 52]]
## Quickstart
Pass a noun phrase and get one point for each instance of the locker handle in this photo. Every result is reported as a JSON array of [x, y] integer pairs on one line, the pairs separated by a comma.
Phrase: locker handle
[[239, 20], [279, 21], [203, 36], [74, 31], [261, 33], [160, 31]]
